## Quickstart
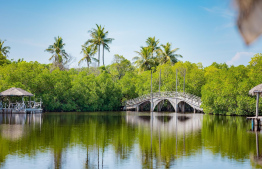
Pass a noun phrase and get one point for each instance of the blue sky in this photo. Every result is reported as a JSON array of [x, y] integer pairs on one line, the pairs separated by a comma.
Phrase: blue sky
[[204, 30]]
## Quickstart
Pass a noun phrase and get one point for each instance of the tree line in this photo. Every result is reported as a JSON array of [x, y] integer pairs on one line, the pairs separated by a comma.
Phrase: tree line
[[222, 88]]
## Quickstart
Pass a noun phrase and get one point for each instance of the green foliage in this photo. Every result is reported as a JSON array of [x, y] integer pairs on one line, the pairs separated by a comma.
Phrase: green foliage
[[63, 90], [3, 60], [226, 89], [120, 67], [223, 89]]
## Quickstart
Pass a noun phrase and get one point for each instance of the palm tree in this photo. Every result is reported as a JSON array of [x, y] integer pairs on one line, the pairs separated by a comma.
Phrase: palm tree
[[145, 61], [96, 40], [166, 54], [88, 52], [105, 42], [59, 55], [4, 50], [99, 37], [152, 43]]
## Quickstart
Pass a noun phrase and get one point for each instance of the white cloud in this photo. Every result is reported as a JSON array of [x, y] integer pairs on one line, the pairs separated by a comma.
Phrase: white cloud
[[241, 58], [220, 11]]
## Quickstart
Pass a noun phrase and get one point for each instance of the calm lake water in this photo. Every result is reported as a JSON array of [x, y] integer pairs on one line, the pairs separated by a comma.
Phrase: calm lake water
[[127, 140]]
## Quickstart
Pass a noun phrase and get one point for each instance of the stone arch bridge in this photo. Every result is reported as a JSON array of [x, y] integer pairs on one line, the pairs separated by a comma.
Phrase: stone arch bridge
[[177, 100]]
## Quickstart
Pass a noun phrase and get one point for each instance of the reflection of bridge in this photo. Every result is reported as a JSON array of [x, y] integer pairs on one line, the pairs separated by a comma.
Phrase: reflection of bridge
[[177, 100], [171, 123]]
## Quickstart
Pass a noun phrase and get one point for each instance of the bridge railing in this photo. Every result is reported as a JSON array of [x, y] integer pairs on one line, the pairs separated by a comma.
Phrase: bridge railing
[[168, 94]]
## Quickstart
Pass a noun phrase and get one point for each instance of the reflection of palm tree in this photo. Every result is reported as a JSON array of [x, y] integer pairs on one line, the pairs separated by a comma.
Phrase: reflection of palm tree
[[58, 159]]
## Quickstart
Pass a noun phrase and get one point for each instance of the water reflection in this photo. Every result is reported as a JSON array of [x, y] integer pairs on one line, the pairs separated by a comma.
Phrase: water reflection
[[13, 126], [172, 136], [126, 140], [172, 123]]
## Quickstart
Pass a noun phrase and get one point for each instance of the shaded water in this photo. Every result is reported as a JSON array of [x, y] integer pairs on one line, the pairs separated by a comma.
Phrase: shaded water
[[127, 140]]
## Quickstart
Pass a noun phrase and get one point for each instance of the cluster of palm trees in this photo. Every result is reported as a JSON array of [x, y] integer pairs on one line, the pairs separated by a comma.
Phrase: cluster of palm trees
[[92, 46], [153, 55], [89, 49], [150, 56]]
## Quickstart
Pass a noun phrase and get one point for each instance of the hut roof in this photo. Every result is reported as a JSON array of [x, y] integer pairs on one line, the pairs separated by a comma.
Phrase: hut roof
[[15, 92], [256, 89]]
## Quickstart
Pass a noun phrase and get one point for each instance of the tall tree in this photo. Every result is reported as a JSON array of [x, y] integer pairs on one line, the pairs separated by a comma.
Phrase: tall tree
[[88, 52], [4, 50], [144, 61], [98, 38], [105, 42], [167, 54], [59, 56], [152, 43], [120, 66]]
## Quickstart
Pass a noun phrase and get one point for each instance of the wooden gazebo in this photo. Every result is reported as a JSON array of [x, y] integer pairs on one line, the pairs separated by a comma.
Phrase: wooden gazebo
[[19, 106], [256, 91]]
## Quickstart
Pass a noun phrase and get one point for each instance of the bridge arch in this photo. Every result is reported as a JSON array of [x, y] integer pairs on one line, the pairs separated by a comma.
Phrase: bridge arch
[[186, 102], [142, 105], [156, 102]]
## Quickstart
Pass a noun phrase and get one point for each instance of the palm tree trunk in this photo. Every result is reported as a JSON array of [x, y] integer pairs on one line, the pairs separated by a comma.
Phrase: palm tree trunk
[[103, 54], [98, 55]]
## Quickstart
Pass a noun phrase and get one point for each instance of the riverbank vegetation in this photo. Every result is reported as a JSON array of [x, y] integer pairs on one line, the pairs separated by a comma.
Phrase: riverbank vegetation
[[223, 89]]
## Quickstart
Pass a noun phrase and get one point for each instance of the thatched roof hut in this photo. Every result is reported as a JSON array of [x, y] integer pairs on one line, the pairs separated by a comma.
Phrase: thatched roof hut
[[255, 90], [15, 92]]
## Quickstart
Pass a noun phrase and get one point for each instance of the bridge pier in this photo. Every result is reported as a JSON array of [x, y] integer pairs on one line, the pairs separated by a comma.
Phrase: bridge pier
[[159, 106], [176, 106], [183, 107]]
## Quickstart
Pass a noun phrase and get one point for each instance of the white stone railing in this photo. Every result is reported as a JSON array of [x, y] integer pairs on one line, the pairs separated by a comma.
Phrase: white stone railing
[[195, 100]]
